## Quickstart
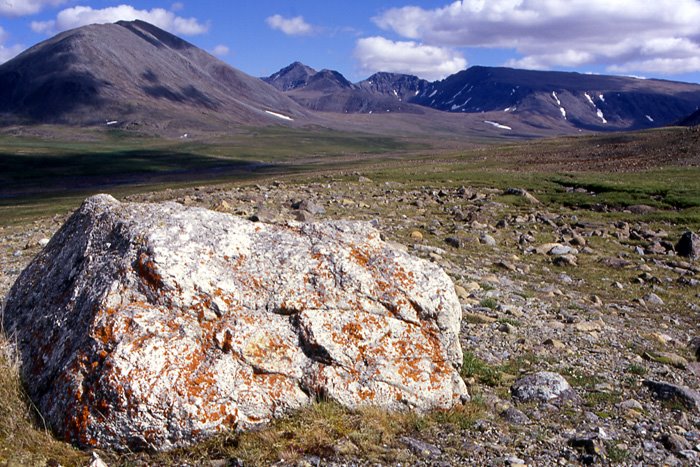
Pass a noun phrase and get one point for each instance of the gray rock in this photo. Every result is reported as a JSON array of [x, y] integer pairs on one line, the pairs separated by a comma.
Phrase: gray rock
[[309, 206], [515, 416], [544, 386], [653, 299], [522, 193], [667, 391], [689, 245], [152, 326], [695, 347], [487, 239], [675, 443], [560, 250], [420, 448]]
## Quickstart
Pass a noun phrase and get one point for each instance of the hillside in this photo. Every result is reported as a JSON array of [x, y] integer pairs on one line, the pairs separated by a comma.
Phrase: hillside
[[133, 74]]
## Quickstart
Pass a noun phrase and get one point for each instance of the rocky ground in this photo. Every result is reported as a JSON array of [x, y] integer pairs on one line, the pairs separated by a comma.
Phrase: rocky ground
[[603, 301]]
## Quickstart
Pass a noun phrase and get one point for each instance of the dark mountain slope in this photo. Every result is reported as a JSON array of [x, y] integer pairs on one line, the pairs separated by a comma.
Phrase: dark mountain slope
[[593, 102], [330, 91], [133, 71]]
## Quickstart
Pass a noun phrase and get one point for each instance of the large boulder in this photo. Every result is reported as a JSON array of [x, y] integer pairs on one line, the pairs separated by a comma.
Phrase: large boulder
[[689, 245], [152, 326]]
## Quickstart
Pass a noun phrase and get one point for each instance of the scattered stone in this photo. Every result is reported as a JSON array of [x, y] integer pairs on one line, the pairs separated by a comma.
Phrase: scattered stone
[[43, 242], [631, 404], [667, 358], [555, 344], [310, 206], [515, 416], [689, 245], [416, 236], [565, 260], [522, 193], [364, 179], [560, 250], [653, 299], [222, 206], [429, 249], [455, 242], [675, 443], [589, 326], [420, 448], [668, 391], [487, 239], [544, 386], [163, 325], [695, 347]]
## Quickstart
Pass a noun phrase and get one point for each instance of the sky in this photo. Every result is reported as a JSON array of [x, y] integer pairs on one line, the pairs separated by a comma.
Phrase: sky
[[431, 39]]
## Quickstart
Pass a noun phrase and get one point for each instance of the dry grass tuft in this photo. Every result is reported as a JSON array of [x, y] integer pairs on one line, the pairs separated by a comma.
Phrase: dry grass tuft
[[23, 439]]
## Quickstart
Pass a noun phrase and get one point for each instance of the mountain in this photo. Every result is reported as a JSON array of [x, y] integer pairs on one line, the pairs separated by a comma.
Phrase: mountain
[[402, 87], [133, 73], [547, 99], [330, 91], [291, 77], [592, 102], [691, 120]]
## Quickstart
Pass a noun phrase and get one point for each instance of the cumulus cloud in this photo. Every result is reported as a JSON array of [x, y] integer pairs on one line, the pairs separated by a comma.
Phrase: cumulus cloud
[[7, 52], [624, 35], [295, 26], [25, 7], [427, 61], [220, 50], [81, 15]]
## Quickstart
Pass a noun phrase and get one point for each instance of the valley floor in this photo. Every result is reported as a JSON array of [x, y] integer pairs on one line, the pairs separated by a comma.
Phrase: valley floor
[[579, 278]]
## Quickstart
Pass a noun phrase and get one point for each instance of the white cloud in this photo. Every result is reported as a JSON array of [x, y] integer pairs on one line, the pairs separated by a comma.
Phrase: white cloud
[[429, 62], [220, 50], [655, 36], [25, 7], [81, 15], [8, 52], [295, 26]]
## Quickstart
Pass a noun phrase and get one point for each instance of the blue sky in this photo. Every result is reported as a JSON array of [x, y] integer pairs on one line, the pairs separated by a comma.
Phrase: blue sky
[[432, 39]]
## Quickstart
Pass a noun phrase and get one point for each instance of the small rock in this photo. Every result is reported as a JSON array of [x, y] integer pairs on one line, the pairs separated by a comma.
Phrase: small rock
[[420, 448], [487, 239], [560, 250], [515, 416], [675, 443], [653, 299], [455, 242], [589, 326], [667, 391], [507, 328], [522, 193], [631, 404], [565, 260], [695, 347], [416, 236], [544, 386], [555, 344], [43, 242], [363, 179], [667, 358], [309, 206], [689, 245]]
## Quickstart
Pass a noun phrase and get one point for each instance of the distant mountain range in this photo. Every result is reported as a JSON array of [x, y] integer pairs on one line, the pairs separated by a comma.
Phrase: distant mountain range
[[589, 102], [133, 75]]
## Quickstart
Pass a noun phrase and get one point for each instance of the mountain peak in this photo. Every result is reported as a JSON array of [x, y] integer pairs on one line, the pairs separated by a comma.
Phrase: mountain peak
[[133, 71], [293, 76]]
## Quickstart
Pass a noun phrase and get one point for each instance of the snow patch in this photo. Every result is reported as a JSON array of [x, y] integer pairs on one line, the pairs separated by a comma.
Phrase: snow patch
[[432, 93], [275, 114], [554, 95], [497, 125], [649, 118], [601, 97], [395, 93], [589, 98], [563, 112], [600, 115], [111, 122]]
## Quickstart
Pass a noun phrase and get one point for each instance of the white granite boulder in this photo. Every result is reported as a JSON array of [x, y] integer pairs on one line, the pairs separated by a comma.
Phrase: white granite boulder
[[152, 326]]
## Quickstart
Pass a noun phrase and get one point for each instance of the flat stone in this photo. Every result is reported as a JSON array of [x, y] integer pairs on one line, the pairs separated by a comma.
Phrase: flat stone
[[544, 386], [668, 391], [153, 326]]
